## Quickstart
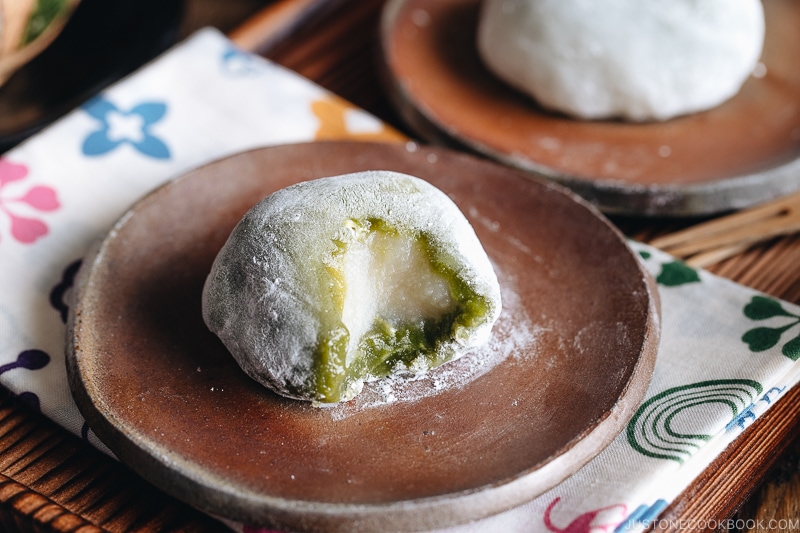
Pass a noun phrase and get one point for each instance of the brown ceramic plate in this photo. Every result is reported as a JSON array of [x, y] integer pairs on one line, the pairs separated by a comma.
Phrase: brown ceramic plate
[[570, 360], [742, 152]]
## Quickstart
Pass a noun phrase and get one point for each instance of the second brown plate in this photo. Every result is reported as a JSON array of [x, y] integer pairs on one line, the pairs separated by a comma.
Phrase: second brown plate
[[570, 359], [742, 152]]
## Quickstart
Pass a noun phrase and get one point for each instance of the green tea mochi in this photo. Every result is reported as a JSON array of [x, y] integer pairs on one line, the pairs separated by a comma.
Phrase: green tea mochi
[[330, 283]]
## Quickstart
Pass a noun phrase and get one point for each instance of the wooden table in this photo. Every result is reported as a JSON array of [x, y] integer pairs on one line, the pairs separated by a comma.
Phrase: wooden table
[[53, 481]]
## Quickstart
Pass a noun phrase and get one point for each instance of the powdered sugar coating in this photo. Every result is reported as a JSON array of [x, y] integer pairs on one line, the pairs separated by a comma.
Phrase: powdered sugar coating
[[635, 59], [270, 295]]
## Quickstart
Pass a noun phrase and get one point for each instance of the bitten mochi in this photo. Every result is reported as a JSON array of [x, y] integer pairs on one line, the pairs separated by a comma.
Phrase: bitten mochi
[[336, 281], [639, 60]]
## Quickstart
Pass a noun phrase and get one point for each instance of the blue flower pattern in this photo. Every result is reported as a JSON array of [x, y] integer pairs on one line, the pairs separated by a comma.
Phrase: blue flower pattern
[[107, 139], [238, 63]]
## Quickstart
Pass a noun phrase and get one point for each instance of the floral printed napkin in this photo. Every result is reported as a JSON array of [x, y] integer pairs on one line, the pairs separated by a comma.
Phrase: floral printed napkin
[[727, 353]]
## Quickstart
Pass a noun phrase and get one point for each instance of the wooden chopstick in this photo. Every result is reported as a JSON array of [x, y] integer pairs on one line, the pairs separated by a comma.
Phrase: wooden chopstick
[[716, 240]]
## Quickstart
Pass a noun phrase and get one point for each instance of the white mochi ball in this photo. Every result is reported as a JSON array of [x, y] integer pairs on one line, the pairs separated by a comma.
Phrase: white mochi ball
[[332, 282], [634, 59]]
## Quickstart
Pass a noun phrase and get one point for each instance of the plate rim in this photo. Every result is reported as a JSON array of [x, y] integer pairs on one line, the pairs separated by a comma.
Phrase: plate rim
[[614, 197], [415, 514]]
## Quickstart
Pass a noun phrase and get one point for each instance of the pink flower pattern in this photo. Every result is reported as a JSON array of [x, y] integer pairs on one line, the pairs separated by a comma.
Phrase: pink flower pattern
[[24, 229], [603, 520]]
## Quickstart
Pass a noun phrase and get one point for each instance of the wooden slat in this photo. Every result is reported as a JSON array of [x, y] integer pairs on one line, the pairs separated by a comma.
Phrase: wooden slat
[[51, 480], [277, 21], [22, 509], [349, 70]]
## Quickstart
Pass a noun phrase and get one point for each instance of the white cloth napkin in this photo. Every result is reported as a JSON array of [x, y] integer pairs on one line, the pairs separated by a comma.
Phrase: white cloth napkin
[[727, 354]]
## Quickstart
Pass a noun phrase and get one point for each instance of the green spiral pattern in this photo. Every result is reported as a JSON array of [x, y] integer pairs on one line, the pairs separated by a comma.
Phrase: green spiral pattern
[[650, 431]]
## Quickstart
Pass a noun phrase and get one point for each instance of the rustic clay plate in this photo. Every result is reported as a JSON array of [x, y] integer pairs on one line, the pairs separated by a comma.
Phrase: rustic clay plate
[[570, 358], [742, 152]]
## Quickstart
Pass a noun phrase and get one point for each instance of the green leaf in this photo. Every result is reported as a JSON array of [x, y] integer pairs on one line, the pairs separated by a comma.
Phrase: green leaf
[[43, 15], [761, 308], [644, 254], [760, 339], [792, 349], [677, 273]]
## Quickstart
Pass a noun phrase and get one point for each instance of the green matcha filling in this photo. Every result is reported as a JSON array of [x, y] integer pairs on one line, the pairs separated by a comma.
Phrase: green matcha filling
[[419, 345]]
